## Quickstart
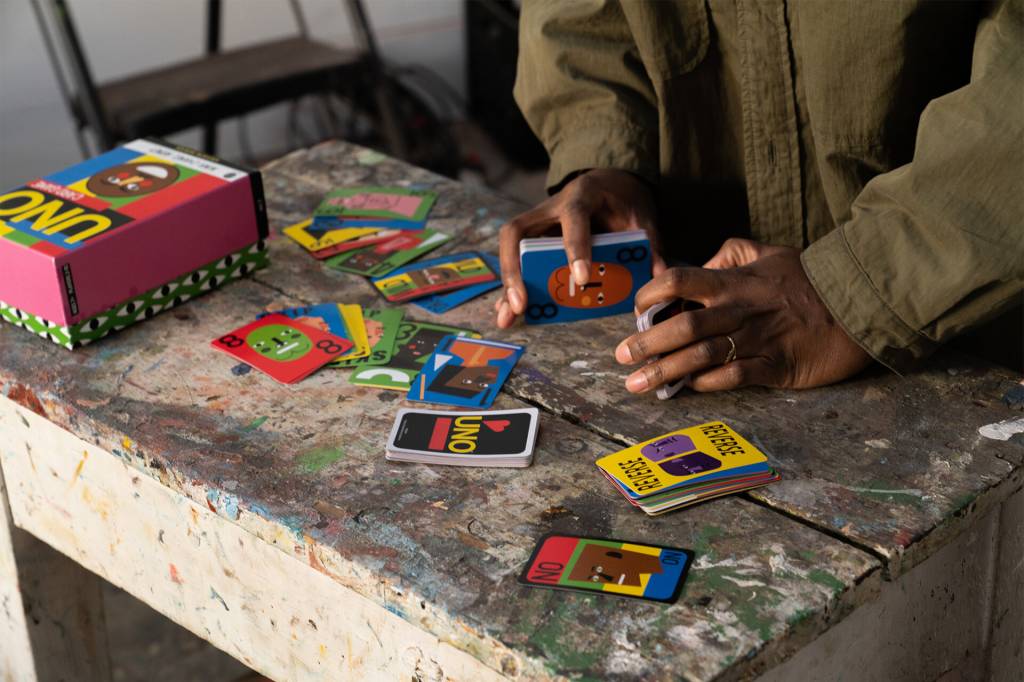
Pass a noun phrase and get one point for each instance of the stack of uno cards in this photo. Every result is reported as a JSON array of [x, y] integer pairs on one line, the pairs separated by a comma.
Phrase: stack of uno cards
[[499, 438], [624, 569], [465, 372], [655, 315], [621, 264], [686, 467]]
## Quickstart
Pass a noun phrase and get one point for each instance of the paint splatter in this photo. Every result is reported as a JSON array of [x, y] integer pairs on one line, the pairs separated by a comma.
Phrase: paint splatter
[[1015, 396], [127, 443], [319, 459], [255, 423], [215, 500], [175, 576], [216, 596], [1003, 430], [579, 364], [241, 369], [78, 469], [369, 157], [24, 396]]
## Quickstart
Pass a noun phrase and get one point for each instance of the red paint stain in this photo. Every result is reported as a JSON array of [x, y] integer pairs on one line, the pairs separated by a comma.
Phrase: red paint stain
[[175, 577], [24, 396], [315, 562], [904, 538]]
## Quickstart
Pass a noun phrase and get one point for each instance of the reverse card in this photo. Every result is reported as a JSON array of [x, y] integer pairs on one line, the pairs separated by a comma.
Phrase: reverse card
[[465, 372], [414, 344], [379, 260], [434, 276], [282, 348], [381, 203], [313, 239], [443, 302], [381, 330], [509, 433], [624, 569]]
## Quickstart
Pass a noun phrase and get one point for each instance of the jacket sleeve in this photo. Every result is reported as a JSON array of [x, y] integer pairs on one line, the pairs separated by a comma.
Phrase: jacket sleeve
[[582, 87], [937, 246]]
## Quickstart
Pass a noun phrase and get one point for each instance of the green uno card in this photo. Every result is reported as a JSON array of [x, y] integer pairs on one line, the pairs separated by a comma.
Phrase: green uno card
[[414, 344], [380, 259], [384, 203], [382, 329]]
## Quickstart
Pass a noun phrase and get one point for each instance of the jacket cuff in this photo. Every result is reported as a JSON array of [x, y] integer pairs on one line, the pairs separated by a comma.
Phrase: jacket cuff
[[628, 149], [848, 293]]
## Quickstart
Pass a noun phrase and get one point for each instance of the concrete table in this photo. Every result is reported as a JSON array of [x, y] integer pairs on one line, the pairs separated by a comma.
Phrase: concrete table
[[265, 519]]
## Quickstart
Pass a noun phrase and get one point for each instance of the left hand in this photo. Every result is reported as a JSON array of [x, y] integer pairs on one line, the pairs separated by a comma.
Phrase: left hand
[[758, 296]]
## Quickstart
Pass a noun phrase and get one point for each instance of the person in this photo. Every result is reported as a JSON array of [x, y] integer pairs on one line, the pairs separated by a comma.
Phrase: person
[[857, 165]]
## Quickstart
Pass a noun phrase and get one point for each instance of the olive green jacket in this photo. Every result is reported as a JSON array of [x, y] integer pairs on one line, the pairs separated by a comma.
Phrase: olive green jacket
[[885, 137]]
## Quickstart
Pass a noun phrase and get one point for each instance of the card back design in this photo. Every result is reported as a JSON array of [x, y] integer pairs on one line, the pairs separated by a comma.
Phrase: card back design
[[615, 567]]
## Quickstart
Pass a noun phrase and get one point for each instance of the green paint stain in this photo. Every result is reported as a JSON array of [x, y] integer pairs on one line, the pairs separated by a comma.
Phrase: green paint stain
[[702, 543], [807, 554], [751, 605], [800, 615], [319, 459], [827, 579], [395, 481], [254, 424], [564, 651]]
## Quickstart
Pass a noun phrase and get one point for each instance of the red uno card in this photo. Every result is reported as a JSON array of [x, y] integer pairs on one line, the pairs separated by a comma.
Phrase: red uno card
[[282, 348]]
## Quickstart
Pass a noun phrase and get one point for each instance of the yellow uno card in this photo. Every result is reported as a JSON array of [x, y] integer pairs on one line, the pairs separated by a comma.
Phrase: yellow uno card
[[706, 452], [352, 314], [312, 239]]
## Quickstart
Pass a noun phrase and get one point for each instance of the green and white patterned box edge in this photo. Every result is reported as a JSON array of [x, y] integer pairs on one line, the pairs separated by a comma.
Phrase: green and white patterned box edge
[[156, 300]]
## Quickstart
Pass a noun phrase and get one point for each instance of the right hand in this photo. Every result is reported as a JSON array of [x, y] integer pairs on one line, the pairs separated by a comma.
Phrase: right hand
[[602, 200]]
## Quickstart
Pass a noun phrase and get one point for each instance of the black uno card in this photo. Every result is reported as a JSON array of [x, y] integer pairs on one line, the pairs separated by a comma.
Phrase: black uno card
[[497, 432]]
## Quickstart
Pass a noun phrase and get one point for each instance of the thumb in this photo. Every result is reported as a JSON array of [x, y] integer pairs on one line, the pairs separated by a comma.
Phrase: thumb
[[735, 253]]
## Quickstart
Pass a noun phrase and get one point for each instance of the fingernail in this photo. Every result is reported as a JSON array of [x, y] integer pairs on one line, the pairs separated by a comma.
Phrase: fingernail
[[514, 298], [580, 271], [623, 355], [636, 382]]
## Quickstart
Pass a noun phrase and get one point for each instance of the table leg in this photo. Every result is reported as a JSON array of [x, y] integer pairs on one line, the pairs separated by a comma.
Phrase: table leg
[[51, 611]]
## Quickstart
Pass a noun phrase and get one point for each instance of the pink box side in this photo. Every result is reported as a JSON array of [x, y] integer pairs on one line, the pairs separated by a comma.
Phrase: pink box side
[[161, 248], [30, 281]]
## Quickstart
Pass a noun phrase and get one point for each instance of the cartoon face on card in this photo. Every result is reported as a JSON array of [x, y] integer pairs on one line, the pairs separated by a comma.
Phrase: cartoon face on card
[[503, 432], [434, 276], [465, 372], [610, 284], [608, 566], [281, 347]]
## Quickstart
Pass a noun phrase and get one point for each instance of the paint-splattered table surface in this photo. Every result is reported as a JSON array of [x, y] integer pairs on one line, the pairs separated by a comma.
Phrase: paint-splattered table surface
[[878, 473]]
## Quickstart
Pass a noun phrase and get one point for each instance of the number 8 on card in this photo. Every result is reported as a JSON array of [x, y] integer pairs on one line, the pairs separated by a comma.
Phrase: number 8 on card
[[282, 348]]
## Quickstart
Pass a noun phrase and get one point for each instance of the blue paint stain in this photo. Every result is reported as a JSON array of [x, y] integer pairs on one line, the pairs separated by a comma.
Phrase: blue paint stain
[[395, 610], [481, 212], [838, 521], [241, 369], [214, 595], [224, 502]]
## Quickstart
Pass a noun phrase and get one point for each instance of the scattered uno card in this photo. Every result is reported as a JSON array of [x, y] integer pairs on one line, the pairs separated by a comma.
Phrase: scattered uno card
[[465, 372], [686, 467], [325, 316], [352, 314], [504, 438], [313, 239], [621, 265], [434, 276], [625, 569], [396, 207], [379, 260], [442, 303], [357, 243], [282, 348], [381, 330], [414, 344]]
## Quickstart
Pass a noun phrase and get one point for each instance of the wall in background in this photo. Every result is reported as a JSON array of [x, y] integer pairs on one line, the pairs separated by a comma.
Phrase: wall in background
[[122, 37]]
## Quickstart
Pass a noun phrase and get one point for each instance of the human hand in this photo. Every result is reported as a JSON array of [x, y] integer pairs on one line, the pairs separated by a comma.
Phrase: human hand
[[760, 297], [598, 200]]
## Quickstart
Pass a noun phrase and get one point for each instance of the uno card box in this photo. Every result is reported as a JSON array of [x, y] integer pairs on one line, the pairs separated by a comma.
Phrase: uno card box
[[123, 236]]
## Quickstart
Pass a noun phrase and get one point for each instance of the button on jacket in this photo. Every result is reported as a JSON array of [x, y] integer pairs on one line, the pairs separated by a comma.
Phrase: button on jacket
[[885, 137]]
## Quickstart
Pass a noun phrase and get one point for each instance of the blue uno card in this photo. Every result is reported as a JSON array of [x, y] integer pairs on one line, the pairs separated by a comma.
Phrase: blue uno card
[[324, 224], [465, 372], [442, 303], [617, 272], [325, 316]]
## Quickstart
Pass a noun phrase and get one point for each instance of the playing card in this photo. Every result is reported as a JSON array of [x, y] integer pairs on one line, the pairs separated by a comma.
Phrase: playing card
[[434, 276], [499, 433], [380, 203], [415, 343], [313, 239], [327, 317], [465, 372], [657, 314], [621, 264], [443, 302], [381, 330], [357, 243], [379, 260], [281, 347], [625, 569], [352, 314]]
